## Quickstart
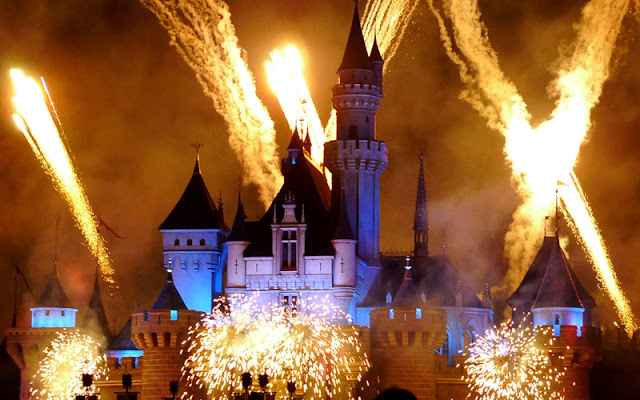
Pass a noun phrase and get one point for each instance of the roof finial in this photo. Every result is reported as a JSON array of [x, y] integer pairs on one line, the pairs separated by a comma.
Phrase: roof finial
[[55, 250], [197, 146], [558, 183], [220, 203], [407, 262]]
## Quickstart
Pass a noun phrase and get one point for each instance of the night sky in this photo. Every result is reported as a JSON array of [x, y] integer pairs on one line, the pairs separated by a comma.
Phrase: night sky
[[131, 109]]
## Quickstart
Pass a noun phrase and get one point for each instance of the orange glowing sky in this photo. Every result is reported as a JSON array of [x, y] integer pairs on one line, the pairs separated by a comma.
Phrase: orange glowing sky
[[131, 107]]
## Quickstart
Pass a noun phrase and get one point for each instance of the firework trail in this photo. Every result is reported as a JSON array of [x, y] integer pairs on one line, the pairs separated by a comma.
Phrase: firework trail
[[309, 347], [506, 363], [577, 87], [202, 32], [45, 138], [284, 72], [59, 374]]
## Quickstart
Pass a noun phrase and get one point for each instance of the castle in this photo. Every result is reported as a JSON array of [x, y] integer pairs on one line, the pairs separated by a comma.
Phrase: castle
[[416, 312]]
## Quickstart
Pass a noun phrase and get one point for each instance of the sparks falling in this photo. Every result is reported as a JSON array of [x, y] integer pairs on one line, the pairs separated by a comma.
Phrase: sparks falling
[[556, 141], [309, 347], [59, 374], [202, 32], [34, 119], [507, 363]]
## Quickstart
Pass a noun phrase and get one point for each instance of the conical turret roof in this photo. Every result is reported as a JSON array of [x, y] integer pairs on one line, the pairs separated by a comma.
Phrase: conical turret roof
[[95, 318], [54, 295], [375, 55], [550, 282], [239, 228], [355, 54], [195, 209], [408, 294], [169, 298]]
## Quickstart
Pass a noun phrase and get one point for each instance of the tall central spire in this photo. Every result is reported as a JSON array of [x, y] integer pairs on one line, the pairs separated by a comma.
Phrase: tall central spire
[[421, 218]]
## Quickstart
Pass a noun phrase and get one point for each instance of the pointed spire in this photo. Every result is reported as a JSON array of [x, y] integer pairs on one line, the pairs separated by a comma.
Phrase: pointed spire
[[169, 298], [239, 228], [307, 141], [375, 55], [95, 319], [421, 218], [355, 53]]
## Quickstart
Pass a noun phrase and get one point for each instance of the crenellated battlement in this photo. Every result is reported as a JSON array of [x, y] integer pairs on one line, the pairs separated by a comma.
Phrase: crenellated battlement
[[363, 154], [161, 328]]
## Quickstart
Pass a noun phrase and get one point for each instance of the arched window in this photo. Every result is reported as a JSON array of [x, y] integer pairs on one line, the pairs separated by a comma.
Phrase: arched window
[[176, 242], [202, 242], [189, 242], [556, 320], [366, 119], [62, 313]]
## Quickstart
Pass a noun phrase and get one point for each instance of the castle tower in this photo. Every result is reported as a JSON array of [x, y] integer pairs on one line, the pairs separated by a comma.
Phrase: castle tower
[[403, 338], [193, 234], [356, 159], [160, 332], [551, 291], [52, 313], [421, 217]]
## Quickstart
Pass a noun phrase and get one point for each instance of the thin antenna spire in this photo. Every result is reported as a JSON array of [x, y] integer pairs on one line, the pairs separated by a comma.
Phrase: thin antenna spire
[[55, 250], [557, 184]]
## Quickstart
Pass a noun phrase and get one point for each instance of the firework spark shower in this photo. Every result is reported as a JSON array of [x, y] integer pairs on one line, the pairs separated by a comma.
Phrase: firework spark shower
[[70, 355], [507, 363], [577, 88], [310, 347]]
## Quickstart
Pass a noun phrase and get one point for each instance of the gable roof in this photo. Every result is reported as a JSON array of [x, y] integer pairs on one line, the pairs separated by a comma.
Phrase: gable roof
[[195, 209], [434, 275], [550, 282], [408, 294], [309, 187]]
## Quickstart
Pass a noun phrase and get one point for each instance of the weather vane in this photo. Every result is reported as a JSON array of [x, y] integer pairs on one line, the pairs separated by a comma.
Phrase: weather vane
[[197, 146]]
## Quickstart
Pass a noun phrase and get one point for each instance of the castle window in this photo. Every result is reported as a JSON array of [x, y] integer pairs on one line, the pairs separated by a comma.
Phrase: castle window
[[366, 119], [556, 321], [62, 313], [444, 349], [391, 313], [289, 250], [176, 242], [418, 313], [46, 313], [202, 242], [290, 304], [174, 315], [189, 242], [146, 315]]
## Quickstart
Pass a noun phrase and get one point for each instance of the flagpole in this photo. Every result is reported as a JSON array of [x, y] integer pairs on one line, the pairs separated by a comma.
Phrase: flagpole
[[14, 321]]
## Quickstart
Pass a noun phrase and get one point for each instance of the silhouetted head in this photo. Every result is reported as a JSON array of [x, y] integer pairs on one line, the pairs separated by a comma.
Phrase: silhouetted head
[[395, 393]]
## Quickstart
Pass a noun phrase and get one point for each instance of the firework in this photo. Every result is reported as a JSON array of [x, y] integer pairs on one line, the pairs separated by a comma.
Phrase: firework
[[70, 355], [557, 140], [45, 138], [507, 363], [285, 77], [202, 32], [309, 347]]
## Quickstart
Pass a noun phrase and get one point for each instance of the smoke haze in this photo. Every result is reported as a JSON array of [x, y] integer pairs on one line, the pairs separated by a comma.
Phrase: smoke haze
[[131, 107]]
